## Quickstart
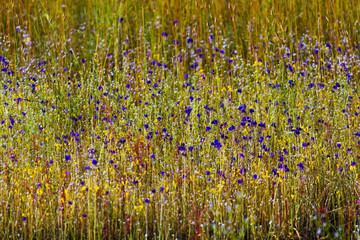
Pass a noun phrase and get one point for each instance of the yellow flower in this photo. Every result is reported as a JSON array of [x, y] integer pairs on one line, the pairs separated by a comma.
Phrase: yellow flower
[[257, 63], [26, 40], [138, 208]]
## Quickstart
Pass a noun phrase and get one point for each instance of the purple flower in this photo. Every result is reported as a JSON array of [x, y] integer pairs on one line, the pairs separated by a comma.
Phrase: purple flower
[[215, 122], [301, 166], [216, 144]]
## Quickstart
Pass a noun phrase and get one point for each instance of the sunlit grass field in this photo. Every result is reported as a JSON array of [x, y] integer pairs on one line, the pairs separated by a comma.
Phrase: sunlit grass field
[[187, 119]]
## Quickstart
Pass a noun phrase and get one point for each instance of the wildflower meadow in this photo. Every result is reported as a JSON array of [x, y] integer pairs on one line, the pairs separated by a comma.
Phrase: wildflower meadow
[[187, 119]]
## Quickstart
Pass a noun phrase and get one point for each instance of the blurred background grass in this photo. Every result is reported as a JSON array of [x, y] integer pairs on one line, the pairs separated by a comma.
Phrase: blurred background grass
[[244, 22]]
